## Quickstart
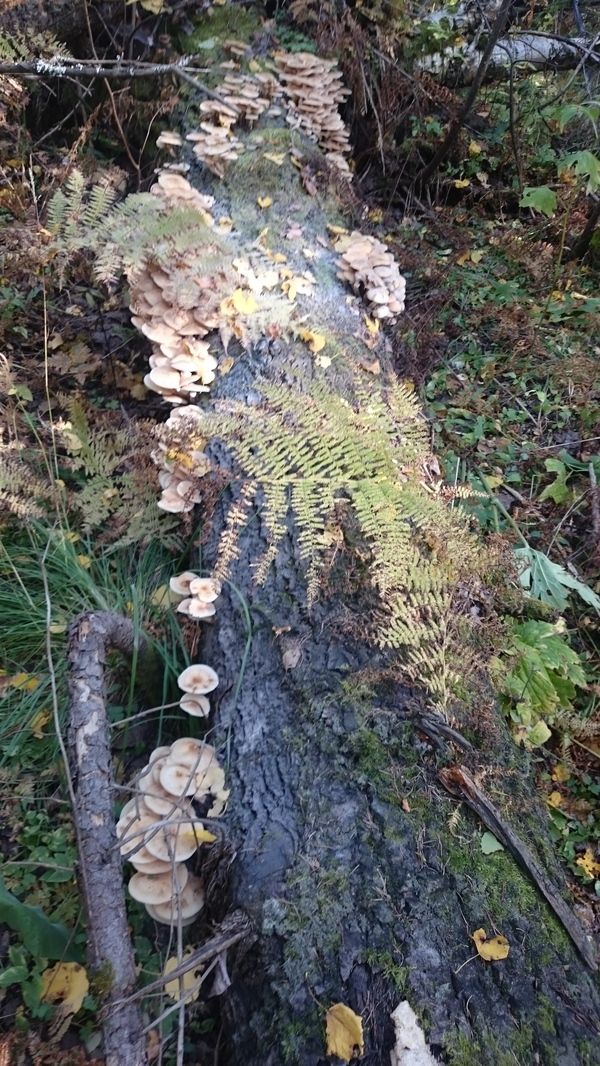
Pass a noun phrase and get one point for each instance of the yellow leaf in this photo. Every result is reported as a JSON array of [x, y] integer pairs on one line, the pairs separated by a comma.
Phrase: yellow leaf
[[244, 302], [275, 157], [560, 774], [315, 341], [72, 537], [464, 258], [474, 148], [554, 799], [337, 230], [185, 983], [372, 324], [490, 950], [138, 391], [264, 201], [323, 361], [72, 441], [344, 1033], [25, 682], [477, 255], [38, 723], [461, 183], [279, 257], [291, 288], [588, 864], [58, 627], [163, 596], [84, 561], [67, 984], [226, 365], [153, 6]]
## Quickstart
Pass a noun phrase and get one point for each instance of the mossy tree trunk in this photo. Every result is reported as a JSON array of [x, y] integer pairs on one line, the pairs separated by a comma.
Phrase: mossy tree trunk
[[363, 877]]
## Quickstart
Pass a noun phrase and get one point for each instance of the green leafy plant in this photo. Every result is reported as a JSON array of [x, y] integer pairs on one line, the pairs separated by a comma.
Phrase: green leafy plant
[[548, 581], [43, 938], [537, 675]]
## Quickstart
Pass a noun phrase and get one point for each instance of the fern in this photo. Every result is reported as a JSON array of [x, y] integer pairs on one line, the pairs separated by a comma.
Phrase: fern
[[307, 455]]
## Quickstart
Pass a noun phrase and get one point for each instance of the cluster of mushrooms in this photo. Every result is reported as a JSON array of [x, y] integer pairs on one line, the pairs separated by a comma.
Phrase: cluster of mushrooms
[[181, 467], [314, 86], [199, 594], [175, 317], [159, 830], [241, 96], [369, 267]]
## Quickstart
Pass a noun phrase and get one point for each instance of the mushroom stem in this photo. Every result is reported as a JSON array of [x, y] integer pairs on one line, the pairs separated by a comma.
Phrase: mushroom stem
[[110, 953]]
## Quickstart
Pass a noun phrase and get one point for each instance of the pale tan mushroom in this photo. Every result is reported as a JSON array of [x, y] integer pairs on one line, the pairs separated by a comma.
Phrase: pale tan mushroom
[[180, 584], [205, 588], [195, 754], [168, 138], [196, 706], [198, 679], [177, 780], [176, 841], [200, 609], [157, 888], [184, 906]]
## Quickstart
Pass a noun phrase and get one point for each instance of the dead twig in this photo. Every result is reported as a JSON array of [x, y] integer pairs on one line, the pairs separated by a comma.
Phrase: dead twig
[[110, 954], [459, 783]]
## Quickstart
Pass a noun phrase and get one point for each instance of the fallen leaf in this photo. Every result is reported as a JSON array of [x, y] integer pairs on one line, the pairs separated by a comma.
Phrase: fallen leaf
[[461, 183], [490, 950], [560, 774], [315, 341], [66, 984], [371, 368], [225, 365], [163, 596], [336, 230], [344, 1033], [243, 302], [554, 799], [477, 255], [406, 806], [588, 864], [275, 157], [474, 148], [37, 725], [372, 324], [489, 844], [323, 361], [23, 681], [264, 201], [84, 561], [291, 657], [185, 983]]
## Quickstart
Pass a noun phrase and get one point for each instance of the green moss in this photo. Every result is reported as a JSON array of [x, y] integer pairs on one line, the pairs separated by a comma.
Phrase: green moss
[[384, 963], [102, 981], [221, 22], [295, 1036]]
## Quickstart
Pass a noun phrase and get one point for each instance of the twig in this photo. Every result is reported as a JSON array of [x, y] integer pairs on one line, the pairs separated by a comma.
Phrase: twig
[[460, 783], [236, 927], [61, 67], [594, 506], [456, 126], [110, 953]]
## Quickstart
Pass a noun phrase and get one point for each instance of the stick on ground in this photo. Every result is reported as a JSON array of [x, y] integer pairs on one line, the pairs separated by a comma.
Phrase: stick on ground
[[110, 953]]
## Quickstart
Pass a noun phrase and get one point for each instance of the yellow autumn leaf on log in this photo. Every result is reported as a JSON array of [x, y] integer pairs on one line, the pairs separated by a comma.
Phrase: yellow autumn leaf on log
[[186, 983], [275, 157], [372, 324], [315, 341], [554, 799], [490, 950], [66, 984], [244, 302], [264, 201], [344, 1033], [588, 864]]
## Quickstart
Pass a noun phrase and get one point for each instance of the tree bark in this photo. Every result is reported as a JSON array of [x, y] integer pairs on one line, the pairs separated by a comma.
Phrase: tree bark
[[110, 953]]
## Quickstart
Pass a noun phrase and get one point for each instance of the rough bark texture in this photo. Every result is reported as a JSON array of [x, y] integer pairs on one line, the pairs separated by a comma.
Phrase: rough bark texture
[[356, 899], [110, 955], [358, 888]]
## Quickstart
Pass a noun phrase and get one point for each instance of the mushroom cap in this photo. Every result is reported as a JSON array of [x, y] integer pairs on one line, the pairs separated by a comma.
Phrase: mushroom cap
[[159, 753], [200, 609], [134, 806], [195, 754], [163, 907], [178, 841], [157, 888], [210, 780], [147, 864], [205, 588], [188, 904], [196, 706], [160, 800], [132, 831], [180, 584], [184, 606], [177, 780], [198, 679], [169, 137]]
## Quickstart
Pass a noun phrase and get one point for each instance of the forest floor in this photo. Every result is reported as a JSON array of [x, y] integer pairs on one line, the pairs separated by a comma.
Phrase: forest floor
[[501, 341]]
